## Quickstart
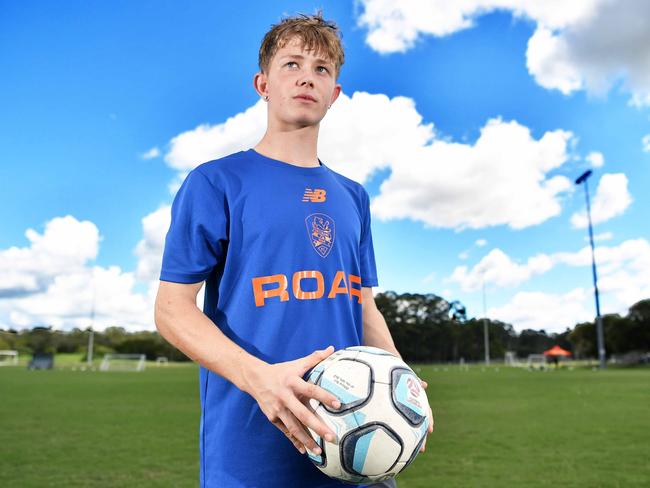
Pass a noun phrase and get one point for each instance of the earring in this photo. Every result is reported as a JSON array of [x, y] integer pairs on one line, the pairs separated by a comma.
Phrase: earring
[[266, 98]]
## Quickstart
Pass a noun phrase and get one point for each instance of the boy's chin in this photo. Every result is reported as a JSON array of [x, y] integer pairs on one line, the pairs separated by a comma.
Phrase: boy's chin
[[303, 121]]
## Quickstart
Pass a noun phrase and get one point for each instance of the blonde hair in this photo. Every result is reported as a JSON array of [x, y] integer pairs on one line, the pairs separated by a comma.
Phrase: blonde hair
[[314, 32]]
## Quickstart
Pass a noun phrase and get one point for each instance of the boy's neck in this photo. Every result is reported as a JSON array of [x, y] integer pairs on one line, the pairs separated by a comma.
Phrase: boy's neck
[[297, 147]]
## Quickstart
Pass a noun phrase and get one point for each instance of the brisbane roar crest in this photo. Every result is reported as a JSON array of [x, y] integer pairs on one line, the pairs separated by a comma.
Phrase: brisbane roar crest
[[321, 231]]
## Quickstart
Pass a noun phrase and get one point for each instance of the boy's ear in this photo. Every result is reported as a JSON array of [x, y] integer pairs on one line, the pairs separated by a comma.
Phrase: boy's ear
[[336, 93], [260, 83]]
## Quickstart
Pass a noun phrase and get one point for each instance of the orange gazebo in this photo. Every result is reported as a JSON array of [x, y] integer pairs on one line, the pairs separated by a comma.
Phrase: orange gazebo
[[556, 351]]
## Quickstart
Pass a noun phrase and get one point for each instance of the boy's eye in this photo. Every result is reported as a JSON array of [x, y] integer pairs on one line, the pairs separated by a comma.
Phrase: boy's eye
[[326, 70], [291, 62]]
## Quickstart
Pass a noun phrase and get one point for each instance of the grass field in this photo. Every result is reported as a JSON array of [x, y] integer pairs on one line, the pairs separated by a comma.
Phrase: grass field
[[494, 427]]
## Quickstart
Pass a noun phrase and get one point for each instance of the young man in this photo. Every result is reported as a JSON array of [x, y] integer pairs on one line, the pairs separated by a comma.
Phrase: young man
[[284, 245]]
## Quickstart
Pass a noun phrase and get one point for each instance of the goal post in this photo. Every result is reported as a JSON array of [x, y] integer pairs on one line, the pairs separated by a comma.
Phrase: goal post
[[510, 359], [123, 362], [8, 357]]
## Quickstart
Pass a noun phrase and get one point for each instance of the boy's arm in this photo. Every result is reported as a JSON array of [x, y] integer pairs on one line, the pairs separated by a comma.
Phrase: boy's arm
[[277, 388], [375, 330]]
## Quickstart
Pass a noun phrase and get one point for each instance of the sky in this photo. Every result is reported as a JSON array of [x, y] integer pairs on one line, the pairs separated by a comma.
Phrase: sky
[[466, 122]]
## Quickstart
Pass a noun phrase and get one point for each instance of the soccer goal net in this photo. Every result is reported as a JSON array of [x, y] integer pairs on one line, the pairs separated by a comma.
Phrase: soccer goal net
[[8, 358], [123, 362], [536, 361]]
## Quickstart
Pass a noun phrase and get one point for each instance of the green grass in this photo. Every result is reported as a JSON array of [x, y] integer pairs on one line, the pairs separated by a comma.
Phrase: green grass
[[509, 427]]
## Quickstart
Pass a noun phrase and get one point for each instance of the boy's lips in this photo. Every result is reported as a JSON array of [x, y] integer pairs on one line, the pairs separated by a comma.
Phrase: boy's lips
[[305, 97]]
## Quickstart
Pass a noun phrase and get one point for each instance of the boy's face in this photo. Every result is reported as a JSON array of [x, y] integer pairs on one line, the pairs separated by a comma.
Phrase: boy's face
[[292, 74]]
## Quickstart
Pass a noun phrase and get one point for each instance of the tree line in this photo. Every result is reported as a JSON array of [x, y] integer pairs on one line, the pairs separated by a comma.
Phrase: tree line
[[425, 328]]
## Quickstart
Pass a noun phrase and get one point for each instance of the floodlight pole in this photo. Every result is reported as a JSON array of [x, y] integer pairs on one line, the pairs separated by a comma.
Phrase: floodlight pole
[[599, 320], [91, 336], [486, 337], [90, 346]]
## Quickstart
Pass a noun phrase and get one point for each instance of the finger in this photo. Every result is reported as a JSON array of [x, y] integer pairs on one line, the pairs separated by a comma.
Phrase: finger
[[291, 438], [431, 421], [310, 419], [310, 390], [298, 431], [314, 358], [424, 383], [424, 445]]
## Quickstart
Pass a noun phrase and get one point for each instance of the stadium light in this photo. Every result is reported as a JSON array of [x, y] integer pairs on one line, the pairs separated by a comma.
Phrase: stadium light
[[599, 320]]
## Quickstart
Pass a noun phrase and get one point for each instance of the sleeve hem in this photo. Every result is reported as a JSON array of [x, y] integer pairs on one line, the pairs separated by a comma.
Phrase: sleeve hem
[[185, 278], [369, 282]]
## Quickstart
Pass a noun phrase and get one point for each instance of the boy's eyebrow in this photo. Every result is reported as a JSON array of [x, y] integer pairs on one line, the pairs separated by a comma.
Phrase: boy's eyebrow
[[300, 56]]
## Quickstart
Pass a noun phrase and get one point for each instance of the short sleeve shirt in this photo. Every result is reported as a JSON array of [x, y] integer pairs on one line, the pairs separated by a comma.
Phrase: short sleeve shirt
[[284, 251]]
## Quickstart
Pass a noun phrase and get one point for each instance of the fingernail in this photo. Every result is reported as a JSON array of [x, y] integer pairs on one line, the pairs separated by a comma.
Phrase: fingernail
[[336, 404], [302, 450], [329, 437], [316, 451]]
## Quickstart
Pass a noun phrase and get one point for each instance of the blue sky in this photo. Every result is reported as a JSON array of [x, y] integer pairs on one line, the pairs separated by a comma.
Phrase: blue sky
[[89, 87]]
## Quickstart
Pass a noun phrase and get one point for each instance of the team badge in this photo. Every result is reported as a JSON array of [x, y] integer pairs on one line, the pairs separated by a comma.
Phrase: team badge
[[321, 231]]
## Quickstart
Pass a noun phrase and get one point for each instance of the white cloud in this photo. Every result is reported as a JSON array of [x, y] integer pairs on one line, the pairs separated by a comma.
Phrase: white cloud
[[67, 302], [623, 270], [499, 269], [502, 179], [52, 281], [65, 246], [603, 236], [429, 278], [359, 135], [207, 142], [623, 279], [149, 249], [463, 255], [548, 311], [481, 242], [154, 152], [396, 26], [596, 159], [583, 44], [646, 143], [612, 199]]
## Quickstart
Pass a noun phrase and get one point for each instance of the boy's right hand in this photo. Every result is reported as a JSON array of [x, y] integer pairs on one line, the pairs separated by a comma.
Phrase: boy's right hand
[[284, 396]]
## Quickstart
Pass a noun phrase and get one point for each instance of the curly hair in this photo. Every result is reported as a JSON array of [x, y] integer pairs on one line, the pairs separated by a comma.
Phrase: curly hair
[[314, 32]]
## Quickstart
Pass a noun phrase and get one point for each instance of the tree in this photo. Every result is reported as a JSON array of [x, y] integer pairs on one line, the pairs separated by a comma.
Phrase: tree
[[583, 340]]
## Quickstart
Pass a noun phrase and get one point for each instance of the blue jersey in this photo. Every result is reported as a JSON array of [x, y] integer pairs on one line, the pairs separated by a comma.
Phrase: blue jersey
[[284, 251]]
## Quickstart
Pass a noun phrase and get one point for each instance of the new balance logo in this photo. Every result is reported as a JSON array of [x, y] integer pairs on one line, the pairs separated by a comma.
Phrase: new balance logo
[[314, 196]]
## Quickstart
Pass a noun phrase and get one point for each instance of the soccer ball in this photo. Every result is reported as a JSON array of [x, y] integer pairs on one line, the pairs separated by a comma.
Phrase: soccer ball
[[382, 422]]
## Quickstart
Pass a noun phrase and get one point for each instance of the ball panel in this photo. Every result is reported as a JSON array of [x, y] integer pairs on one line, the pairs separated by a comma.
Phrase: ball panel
[[350, 381], [415, 441], [317, 370], [320, 459], [408, 396], [340, 424], [371, 450], [413, 454]]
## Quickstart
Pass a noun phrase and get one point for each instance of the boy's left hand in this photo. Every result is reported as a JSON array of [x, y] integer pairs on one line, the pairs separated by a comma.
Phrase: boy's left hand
[[424, 444]]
